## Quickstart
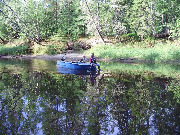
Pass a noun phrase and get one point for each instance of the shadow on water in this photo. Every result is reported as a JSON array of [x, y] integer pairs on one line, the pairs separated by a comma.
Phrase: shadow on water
[[35, 98], [81, 73]]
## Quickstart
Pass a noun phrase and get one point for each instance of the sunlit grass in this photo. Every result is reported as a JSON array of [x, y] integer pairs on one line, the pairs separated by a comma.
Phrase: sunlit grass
[[48, 49], [13, 50], [157, 53], [22, 47]]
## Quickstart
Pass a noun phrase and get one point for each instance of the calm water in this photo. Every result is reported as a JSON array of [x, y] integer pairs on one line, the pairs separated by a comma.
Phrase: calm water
[[122, 99]]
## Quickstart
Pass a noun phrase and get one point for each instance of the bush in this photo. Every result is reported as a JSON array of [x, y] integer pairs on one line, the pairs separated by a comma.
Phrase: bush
[[55, 49], [130, 37], [16, 50], [48, 49]]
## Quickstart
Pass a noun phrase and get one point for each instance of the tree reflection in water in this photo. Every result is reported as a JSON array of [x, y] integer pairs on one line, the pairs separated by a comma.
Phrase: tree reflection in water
[[51, 103]]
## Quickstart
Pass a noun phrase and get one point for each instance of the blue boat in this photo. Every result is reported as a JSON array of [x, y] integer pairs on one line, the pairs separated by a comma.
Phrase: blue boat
[[76, 65]]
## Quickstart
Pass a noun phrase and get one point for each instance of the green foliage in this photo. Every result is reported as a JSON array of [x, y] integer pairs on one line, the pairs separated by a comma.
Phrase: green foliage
[[16, 50], [41, 19], [3, 31], [21, 47], [55, 49], [71, 20], [130, 37], [48, 49], [127, 20]]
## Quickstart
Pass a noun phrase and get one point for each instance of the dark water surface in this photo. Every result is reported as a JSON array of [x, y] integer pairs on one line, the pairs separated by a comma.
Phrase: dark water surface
[[122, 99]]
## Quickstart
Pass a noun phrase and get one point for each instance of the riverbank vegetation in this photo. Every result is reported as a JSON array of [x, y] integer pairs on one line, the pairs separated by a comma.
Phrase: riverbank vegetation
[[145, 30], [158, 52]]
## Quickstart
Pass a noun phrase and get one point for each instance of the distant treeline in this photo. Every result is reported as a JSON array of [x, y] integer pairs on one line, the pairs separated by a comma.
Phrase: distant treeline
[[38, 20]]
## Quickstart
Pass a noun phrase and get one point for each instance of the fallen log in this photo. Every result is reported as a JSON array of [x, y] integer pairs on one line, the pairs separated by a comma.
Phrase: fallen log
[[2, 39], [162, 35]]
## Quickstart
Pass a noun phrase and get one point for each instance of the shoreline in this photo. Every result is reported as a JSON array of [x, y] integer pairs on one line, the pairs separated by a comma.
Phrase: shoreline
[[70, 56], [79, 56]]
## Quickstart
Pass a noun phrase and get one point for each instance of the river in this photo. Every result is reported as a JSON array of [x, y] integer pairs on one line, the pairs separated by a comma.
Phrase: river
[[122, 99]]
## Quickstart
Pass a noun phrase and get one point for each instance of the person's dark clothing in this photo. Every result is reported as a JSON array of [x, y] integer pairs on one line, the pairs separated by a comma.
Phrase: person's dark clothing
[[93, 59]]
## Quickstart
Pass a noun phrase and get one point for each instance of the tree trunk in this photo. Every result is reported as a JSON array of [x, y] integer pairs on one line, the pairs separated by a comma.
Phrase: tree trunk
[[2, 39], [97, 24], [56, 18], [152, 18], [36, 25]]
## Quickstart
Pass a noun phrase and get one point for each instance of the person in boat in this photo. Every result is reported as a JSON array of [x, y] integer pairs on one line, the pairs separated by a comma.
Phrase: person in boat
[[93, 61], [63, 58], [83, 60]]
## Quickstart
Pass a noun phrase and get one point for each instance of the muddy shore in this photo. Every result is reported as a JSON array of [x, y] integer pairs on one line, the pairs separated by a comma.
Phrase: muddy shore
[[70, 56]]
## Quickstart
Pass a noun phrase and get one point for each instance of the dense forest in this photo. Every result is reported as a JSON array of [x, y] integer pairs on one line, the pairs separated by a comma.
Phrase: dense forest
[[40, 19]]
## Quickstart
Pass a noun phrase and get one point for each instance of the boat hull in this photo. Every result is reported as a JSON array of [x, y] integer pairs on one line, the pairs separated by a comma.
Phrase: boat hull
[[76, 65]]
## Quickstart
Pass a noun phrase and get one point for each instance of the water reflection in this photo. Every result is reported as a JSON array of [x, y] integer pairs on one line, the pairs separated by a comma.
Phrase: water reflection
[[39, 100], [81, 73]]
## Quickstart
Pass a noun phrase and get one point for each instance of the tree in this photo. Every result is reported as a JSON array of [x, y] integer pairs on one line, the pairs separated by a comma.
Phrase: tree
[[166, 12], [71, 19], [120, 23], [141, 18], [95, 17]]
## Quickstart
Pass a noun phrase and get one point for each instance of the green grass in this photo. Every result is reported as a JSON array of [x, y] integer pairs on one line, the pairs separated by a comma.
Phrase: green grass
[[15, 50], [159, 52], [48, 49], [22, 47]]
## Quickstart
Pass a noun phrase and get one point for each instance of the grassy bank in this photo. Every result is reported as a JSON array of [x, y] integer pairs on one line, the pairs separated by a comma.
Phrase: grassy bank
[[15, 47], [23, 47], [158, 52], [150, 51]]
